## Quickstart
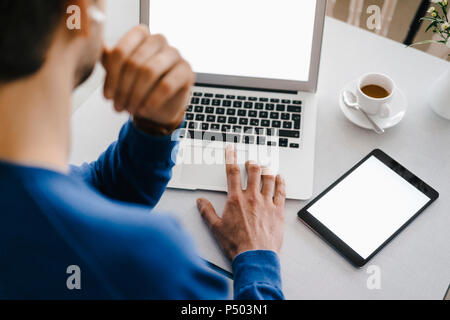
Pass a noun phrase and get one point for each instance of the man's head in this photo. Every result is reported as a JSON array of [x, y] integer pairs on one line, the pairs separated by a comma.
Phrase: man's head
[[31, 28]]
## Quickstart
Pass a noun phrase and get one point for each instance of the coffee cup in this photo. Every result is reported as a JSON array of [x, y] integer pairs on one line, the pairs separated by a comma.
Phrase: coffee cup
[[375, 92]]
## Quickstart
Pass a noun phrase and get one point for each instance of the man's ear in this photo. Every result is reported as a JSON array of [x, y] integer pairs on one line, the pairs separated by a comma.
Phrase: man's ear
[[77, 17]]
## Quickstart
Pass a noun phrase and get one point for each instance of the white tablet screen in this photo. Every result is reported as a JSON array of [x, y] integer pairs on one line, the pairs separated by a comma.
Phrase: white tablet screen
[[368, 206], [269, 39]]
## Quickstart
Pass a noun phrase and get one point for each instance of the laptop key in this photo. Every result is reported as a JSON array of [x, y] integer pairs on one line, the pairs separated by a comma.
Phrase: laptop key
[[199, 109], [263, 114], [248, 130], [211, 118], [237, 104], [216, 102], [274, 115], [209, 95], [193, 125], [242, 113], [242, 98], [254, 122], [297, 102], [195, 101], [270, 107], [285, 116], [209, 110], [243, 121], [294, 146], [295, 109], [276, 124], [253, 114], [259, 106], [189, 116], [205, 126], [289, 134], [271, 143], [232, 138], [249, 140], [220, 111], [232, 120], [281, 107], [226, 128], [230, 97], [297, 121], [215, 127], [261, 141], [263, 100], [248, 105], [287, 125], [198, 94], [231, 112], [190, 109], [284, 143], [206, 102], [220, 96], [200, 117], [226, 103], [222, 119], [237, 129], [285, 101], [275, 100], [265, 123], [260, 131], [253, 99]]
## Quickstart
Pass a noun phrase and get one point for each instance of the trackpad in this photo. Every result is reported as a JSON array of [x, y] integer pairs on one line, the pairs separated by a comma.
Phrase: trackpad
[[209, 172]]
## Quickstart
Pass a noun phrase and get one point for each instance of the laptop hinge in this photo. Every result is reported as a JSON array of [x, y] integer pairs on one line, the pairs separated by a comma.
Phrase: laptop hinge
[[246, 88]]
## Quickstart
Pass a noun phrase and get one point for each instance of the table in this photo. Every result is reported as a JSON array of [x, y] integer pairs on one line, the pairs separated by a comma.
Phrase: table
[[416, 265]]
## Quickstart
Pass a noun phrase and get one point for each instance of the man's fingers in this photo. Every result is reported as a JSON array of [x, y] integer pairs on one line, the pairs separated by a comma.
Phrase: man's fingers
[[208, 213], [268, 183], [153, 70], [280, 192], [132, 68], [233, 170], [113, 60], [176, 79], [254, 176]]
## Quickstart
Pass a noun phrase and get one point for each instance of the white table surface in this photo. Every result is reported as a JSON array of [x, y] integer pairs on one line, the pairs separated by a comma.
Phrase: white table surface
[[416, 265]]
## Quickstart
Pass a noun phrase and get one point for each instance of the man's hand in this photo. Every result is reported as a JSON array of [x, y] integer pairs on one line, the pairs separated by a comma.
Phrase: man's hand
[[148, 78], [252, 219]]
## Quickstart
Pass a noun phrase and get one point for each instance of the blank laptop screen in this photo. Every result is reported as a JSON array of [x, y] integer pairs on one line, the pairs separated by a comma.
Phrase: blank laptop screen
[[270, 39]]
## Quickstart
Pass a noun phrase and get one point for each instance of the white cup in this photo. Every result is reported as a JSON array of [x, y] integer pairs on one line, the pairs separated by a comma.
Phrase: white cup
[[376, 106]]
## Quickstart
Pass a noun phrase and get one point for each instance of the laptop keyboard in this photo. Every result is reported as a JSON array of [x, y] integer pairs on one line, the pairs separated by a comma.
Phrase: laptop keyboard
[[249, 120]]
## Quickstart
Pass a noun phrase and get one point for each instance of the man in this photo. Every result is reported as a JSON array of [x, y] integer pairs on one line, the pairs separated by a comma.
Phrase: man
[[86, 232]]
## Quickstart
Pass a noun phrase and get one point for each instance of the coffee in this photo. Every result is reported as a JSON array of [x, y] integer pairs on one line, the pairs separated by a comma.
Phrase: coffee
[[375, 91]]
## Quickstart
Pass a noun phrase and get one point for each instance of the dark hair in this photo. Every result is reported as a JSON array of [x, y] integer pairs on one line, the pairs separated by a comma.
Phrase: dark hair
[[26, 27]]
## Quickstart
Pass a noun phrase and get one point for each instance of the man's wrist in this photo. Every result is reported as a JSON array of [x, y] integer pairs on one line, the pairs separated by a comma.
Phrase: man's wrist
[[154, 128]]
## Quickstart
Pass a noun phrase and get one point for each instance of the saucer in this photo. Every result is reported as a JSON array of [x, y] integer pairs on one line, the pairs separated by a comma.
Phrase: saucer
[[399, 105]]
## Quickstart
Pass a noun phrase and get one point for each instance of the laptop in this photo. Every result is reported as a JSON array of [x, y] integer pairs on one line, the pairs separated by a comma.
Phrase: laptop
[[257, 65]]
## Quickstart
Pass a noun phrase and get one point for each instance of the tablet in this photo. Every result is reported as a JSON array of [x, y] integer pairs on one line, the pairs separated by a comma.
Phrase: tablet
[[368, 207]]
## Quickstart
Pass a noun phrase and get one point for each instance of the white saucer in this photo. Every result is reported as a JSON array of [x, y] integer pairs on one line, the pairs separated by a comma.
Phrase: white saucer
[[399, 107]]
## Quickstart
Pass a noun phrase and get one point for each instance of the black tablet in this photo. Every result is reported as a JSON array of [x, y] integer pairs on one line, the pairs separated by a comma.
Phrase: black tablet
[[367, 207]]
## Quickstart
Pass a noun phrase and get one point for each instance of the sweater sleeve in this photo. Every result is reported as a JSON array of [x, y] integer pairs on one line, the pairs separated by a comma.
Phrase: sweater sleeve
[[135, 169], [257, 276]]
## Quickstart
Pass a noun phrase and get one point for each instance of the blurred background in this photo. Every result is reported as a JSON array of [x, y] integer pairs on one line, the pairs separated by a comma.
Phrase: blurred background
[[400, 20]]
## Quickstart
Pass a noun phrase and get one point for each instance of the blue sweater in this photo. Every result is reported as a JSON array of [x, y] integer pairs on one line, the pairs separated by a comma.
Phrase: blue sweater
[[98, 219]]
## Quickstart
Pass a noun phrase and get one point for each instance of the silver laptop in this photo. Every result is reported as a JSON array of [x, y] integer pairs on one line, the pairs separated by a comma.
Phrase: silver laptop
[[257, 64]]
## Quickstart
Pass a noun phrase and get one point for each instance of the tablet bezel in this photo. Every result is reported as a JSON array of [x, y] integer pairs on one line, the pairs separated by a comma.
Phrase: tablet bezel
[[339, 245]]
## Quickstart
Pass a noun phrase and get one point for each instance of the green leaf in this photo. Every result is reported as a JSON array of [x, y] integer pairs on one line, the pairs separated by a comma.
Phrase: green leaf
[[423, 42], [434, 24]]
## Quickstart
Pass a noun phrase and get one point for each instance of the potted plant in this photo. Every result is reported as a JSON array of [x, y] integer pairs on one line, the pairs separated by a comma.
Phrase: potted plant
[[438, 17]]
